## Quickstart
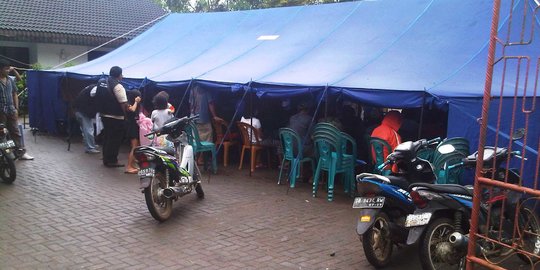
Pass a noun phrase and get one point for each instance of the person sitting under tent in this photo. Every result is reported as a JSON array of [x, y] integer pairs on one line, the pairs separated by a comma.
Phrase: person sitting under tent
[[388, 130], [300, 123]]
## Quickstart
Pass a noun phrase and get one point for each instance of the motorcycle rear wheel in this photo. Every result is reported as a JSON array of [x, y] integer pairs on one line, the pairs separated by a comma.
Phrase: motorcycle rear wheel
[[437, 233], [160, 207], [529, 227], [377, 242], [8, 172]]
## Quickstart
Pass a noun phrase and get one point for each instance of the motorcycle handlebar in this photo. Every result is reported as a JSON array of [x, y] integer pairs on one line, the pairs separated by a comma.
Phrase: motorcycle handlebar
[[388, 161], [434, 141]]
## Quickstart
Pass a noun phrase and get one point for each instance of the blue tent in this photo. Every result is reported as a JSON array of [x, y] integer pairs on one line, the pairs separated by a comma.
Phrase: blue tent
[[388, 53]]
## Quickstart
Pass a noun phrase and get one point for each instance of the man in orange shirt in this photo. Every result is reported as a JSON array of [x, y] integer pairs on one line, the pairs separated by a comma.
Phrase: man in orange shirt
[[388, 130]]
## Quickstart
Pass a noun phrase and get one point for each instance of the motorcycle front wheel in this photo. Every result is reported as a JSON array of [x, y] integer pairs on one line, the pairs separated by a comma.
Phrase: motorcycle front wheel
[[436, 252], [8, 172], [377, 242], [198, 187], [159, 206]]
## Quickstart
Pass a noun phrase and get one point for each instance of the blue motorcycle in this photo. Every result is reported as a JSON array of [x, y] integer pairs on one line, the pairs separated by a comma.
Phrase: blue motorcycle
[[441, 220], [384, 201]]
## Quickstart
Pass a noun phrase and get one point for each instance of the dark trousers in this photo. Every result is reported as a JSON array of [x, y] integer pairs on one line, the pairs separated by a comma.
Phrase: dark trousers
[[12, 125], [113, 134]]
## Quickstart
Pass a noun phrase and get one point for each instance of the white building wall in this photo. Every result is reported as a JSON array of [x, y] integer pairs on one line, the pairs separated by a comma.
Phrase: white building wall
[[51, 55]]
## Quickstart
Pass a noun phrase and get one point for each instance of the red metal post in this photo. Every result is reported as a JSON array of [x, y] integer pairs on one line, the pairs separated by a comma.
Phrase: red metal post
[[483, 132]]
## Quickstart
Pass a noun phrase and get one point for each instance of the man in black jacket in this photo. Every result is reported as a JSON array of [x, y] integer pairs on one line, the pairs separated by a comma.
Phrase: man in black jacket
[[112, 101], [85, 111]]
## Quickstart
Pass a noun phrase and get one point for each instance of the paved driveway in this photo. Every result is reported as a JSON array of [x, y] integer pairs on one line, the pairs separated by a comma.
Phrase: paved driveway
[[67, 211]]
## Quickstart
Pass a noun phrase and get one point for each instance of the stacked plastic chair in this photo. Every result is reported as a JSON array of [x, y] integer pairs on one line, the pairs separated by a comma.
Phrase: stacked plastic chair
[[442, 161], [292, 146], [331, 158]]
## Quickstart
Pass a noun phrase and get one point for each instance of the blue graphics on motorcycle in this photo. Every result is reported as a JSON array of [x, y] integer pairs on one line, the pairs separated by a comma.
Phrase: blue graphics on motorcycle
[[392, 191], [464, 200]]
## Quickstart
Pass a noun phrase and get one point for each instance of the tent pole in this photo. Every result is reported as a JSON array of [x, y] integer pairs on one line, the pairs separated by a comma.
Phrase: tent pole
[[68, 117], [252, 129], [183, 97], [421, 117], [325, 102]]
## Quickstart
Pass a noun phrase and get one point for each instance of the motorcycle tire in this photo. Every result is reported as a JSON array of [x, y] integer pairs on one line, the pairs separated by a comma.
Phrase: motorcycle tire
[[529, 227], [8, 172], [199, 190], [160, 208], [440, 228], [380, 230]]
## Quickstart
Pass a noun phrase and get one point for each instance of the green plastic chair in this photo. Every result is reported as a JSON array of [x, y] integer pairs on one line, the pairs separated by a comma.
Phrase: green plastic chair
[[350, 156], [201, 146], [426, 154], [329, 147], [460, 144], [446, 175], [377, 147], [293, 153]]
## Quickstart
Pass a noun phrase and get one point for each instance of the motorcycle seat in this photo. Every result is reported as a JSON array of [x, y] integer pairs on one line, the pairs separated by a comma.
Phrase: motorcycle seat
[[390, 179], [446, 188]]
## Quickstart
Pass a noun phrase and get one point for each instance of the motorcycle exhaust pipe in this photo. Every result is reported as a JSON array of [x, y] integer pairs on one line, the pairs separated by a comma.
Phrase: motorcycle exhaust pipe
[[458, 240], [171, 192]]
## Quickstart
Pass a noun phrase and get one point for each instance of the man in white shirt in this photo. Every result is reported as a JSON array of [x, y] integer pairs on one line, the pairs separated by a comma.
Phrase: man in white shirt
[[112, 96]]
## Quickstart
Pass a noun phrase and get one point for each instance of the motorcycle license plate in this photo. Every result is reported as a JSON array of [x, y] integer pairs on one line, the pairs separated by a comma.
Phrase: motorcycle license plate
[[148, 172], [414, 220], [8, 144], [368, 202]]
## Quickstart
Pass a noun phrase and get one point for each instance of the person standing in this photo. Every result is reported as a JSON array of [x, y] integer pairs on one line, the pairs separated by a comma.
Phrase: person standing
[[202, 103], [113, 104], [9, 106], [132, 128], [85, 111]]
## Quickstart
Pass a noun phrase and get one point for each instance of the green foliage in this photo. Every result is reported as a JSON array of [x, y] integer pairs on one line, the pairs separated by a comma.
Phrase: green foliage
[[22, 92], [230, 5]]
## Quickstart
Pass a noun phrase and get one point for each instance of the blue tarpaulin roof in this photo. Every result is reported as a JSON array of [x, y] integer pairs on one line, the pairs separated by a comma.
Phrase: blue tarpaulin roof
[[390, 53]]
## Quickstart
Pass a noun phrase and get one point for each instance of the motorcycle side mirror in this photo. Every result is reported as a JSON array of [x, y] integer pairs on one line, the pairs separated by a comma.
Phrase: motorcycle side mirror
[[518, 134], [446, 149]]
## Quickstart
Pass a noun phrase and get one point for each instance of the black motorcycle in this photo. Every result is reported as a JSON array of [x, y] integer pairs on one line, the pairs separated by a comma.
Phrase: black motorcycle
[[384, 201], [8, 172], [165, 174], [441, 220]]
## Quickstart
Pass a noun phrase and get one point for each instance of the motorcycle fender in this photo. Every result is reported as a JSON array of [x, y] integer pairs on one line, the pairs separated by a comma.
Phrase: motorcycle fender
[[414, 234], [366, 217], [146, 180]]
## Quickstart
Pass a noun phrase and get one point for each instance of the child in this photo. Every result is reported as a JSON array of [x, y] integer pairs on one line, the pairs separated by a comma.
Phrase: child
[[132, 128], [161, 113]]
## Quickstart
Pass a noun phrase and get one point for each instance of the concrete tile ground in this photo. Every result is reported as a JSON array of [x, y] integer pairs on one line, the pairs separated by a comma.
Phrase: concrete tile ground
[[67, 211]]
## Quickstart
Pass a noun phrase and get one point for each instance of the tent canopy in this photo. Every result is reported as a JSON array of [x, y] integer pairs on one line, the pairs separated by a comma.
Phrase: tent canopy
[[385, 45]]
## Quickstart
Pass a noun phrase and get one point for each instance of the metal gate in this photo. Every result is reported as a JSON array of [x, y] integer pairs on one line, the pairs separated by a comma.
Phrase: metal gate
[[491, 244]]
